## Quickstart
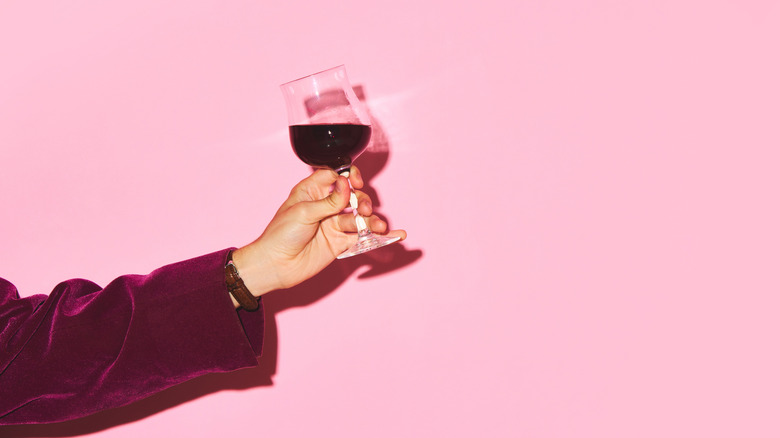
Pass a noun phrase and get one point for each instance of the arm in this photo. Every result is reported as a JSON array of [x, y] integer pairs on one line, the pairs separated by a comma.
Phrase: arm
[[85, 348]]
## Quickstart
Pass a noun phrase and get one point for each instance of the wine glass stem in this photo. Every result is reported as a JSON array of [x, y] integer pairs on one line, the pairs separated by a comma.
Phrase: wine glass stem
[[362, 226]]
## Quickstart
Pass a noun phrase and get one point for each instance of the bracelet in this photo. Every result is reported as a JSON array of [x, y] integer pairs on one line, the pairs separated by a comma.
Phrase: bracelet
[[237, 288]]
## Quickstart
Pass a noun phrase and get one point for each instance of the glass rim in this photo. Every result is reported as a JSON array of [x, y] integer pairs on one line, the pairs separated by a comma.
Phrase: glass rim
[[312, 74]]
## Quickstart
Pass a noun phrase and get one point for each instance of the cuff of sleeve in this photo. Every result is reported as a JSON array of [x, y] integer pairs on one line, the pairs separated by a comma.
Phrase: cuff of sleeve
[[227, 338]]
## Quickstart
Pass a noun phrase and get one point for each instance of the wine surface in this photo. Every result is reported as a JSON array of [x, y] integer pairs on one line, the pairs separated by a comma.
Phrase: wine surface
[[329, 145]]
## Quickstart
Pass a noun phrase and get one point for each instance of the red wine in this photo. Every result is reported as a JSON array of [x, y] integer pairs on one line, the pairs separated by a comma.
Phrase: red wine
[[329, 145]]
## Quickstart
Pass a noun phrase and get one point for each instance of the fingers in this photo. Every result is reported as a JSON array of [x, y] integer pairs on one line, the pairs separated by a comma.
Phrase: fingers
[[321, 178], [397, 233], [365, 206], [315, 211], [355, 177], [318, 184], [321, 202], [346, 223], [315, 186]]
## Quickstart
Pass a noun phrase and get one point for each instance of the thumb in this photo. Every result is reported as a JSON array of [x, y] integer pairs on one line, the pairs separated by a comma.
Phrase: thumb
[[330, 205]]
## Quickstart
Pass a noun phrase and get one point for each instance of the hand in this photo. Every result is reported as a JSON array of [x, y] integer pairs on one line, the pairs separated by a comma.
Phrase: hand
[[307, 233]]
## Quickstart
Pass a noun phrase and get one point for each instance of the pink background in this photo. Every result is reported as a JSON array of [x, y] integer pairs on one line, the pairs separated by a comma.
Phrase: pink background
[[591, 196]]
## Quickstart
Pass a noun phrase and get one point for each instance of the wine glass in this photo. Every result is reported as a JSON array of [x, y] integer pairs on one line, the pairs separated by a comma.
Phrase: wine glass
[[330, 127]]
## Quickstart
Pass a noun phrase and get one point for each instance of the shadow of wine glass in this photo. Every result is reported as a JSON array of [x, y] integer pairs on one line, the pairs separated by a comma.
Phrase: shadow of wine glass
[[377, 153], [372, 264]]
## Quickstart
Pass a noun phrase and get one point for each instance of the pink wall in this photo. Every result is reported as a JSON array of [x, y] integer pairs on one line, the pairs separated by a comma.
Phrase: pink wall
[[591, 195]]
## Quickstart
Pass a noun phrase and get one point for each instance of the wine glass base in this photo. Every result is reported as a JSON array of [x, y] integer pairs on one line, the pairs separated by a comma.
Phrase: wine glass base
[[368, 243]]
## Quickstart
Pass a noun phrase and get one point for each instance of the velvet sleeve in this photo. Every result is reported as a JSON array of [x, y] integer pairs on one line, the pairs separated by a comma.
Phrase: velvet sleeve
[[84, 348]]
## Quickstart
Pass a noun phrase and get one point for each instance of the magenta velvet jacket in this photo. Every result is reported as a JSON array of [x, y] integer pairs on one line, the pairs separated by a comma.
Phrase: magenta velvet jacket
[[84, 348]]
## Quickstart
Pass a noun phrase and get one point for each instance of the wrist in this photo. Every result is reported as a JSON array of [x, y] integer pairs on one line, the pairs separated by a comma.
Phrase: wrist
[[256, 272]]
